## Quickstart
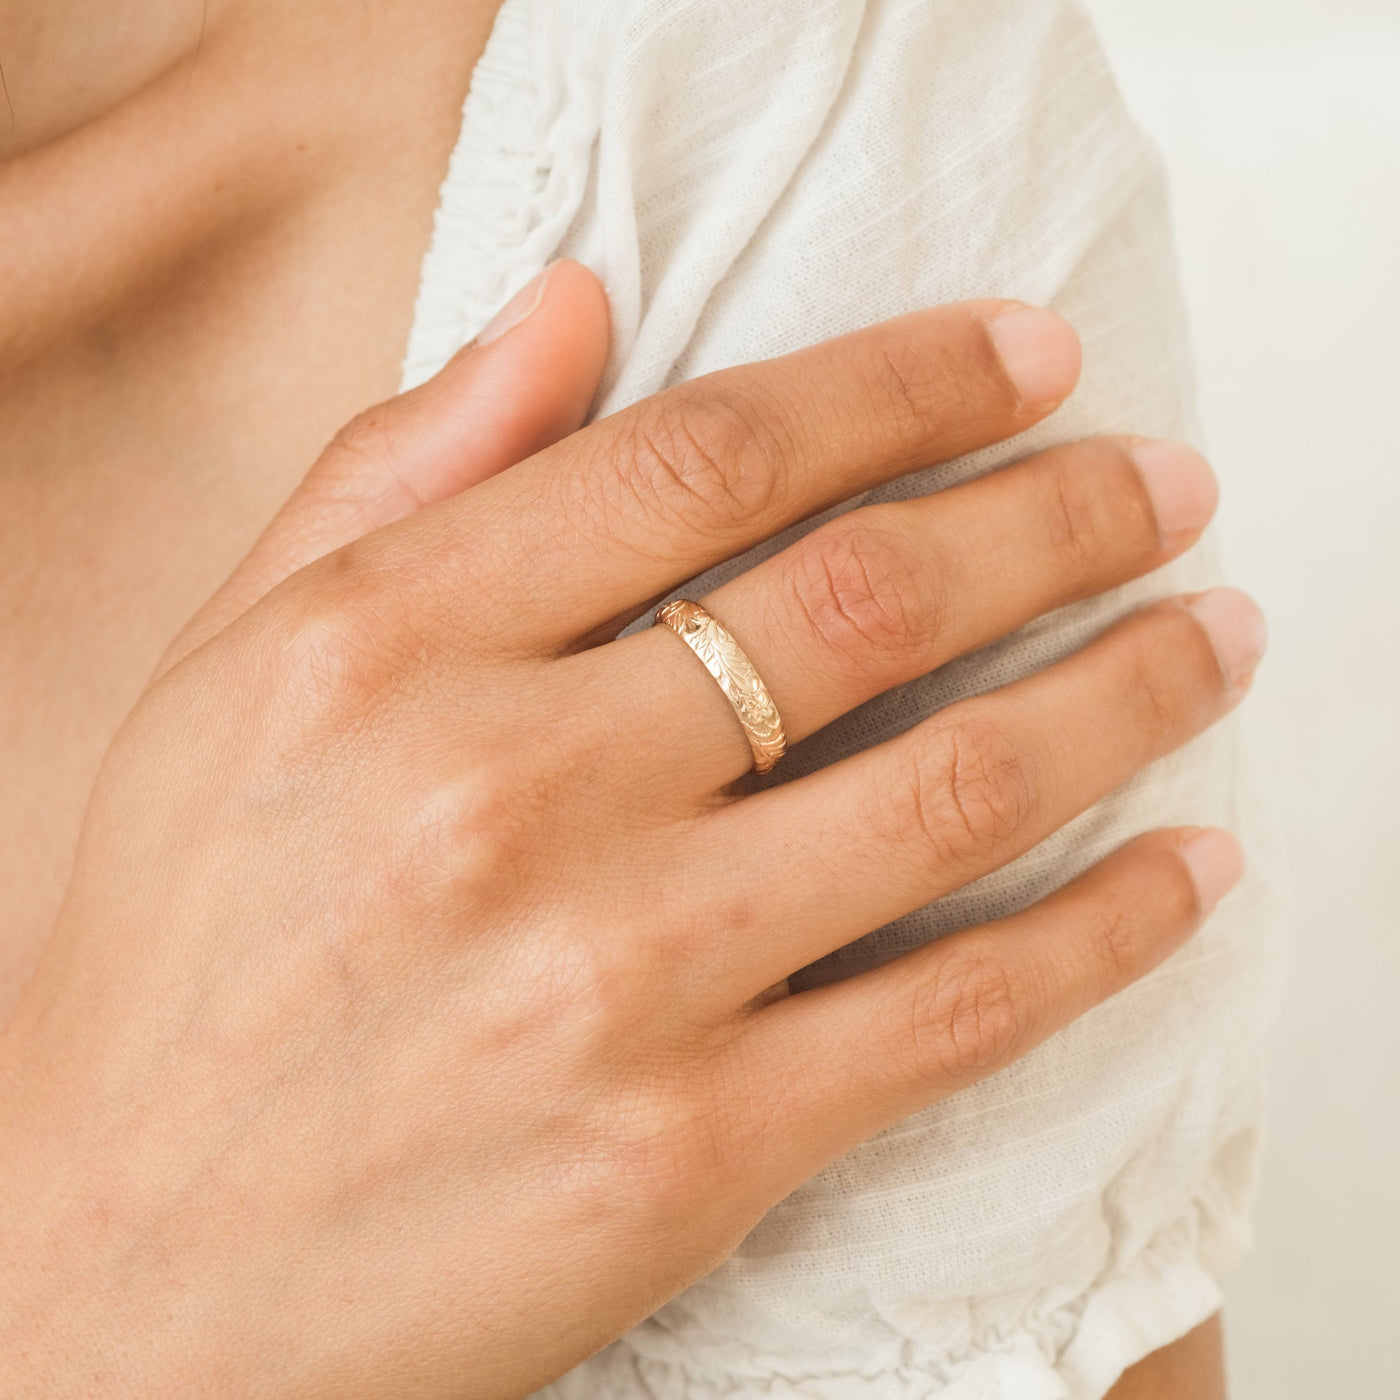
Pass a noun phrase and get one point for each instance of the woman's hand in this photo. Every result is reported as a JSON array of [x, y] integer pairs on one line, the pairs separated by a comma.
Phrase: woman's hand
[[407, 1029]]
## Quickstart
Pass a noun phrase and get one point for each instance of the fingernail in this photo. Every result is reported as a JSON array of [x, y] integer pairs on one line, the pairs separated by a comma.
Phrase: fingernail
[[1216, 863], [1040, 353], [1181, 485], [518, 309], [1236, 629]]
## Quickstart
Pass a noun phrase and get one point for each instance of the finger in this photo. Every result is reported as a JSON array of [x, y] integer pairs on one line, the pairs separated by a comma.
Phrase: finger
[[843, 851], [525, 382], [886, 593], [657, 493], [854, 1057]]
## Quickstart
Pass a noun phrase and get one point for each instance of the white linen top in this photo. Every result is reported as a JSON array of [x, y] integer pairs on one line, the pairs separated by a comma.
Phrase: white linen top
[[748, 176]]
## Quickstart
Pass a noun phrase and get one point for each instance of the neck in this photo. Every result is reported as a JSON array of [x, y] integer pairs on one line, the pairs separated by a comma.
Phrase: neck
[[154, 142]]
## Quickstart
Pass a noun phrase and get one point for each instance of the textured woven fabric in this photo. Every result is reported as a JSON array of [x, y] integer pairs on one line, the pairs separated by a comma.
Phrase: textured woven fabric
[[750, 177]]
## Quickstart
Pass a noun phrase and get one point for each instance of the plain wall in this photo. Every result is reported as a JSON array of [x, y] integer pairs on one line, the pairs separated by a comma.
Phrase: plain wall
[[1280, 122]]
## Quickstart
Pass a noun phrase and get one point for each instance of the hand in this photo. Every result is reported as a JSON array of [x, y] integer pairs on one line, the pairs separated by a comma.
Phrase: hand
[[406, 1031]]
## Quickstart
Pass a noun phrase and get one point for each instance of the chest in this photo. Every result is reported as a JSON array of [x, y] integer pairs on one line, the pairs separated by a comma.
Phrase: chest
[[200, 280]]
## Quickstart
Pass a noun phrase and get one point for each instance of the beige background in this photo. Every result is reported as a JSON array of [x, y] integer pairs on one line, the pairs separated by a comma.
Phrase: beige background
[[1280, 121]]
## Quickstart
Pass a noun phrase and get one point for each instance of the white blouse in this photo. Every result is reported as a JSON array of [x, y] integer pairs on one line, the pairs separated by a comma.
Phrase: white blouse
[[748, 176]]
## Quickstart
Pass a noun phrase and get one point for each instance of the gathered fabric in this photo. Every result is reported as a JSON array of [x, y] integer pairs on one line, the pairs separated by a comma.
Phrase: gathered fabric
[[747, 178]]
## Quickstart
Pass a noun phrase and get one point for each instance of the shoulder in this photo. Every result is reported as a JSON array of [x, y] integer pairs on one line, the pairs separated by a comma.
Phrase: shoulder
[[766, 181], [857, 157]]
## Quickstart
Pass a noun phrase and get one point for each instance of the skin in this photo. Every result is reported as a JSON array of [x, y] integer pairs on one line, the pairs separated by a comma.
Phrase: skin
[[137, 478], [1191, 1369], [200, 228]]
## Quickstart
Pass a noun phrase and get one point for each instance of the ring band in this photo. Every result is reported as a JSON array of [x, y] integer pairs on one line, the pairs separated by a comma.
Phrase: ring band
[[743, 687]]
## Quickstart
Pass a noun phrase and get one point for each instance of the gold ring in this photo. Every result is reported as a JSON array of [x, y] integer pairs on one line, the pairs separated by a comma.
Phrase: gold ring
[[743, 687]]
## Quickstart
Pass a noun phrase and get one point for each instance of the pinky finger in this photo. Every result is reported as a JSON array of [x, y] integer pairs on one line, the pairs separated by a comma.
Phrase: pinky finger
[[851, 1058]]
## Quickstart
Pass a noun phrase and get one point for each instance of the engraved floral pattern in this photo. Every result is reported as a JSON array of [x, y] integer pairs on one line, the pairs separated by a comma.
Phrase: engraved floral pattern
[[726, 661]]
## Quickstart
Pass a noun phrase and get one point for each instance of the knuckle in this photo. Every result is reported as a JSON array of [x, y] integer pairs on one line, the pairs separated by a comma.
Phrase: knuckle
[[921, 386], [667, 1156], [671, 1145], [1126, 929], [706, 458], [337, 643], [1080, 509], [465, 843], [582, 989], [852, 583], [663, 1128], [320, 660], [1109, 932], [972, 798], [368, 437], [1155, 666], [327, 662], [968, 1019], [898, 386]]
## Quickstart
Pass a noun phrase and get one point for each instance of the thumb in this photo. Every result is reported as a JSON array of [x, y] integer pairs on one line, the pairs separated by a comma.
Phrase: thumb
[[525, 382]]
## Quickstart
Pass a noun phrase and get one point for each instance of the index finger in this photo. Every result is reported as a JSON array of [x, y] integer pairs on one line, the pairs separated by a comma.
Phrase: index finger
[[590, 530]]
